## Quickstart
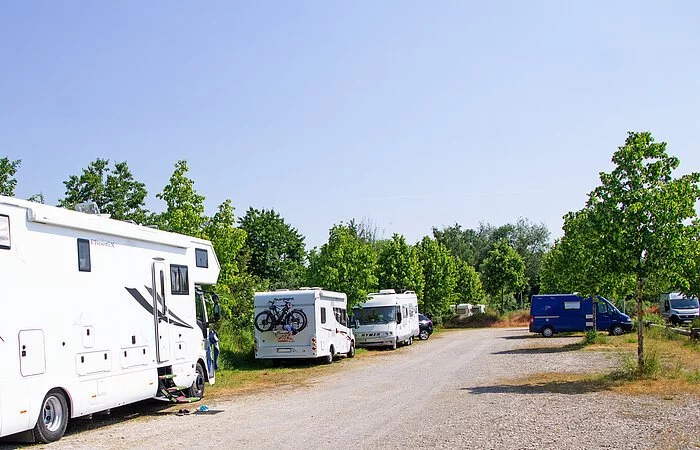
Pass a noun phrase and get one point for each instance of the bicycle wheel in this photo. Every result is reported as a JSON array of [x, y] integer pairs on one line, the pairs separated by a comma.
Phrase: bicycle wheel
[[297, 319], [264, 321]]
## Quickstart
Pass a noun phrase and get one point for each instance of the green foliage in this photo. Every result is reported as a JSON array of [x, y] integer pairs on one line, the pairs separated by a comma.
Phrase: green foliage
[[276, 249], [185, 208], [114, 191], [529, 240], [440, 275], [8, 182], [593, 337], [399, 268], [227, 241], [503, 272], [469, 287], [344, 264], [38, 198]]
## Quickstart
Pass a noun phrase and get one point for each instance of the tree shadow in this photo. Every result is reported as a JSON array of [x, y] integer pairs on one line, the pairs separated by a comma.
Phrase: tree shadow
[[551, 387], [541, 350]]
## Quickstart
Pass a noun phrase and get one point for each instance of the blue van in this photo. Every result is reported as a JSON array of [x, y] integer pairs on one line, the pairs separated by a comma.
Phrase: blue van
[[556, 313]]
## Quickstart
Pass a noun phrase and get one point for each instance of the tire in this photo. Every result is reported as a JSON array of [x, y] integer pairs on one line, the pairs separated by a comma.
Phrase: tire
[[264, 321], [424, 335], [548, 332], [328, 359], [410, 340], [393, 345], [351, 352], [197, 388], [53, 418], [616, 330], [297, 319]]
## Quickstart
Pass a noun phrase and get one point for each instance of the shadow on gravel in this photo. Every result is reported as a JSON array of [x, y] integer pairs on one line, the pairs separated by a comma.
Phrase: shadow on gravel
[[146, 408], [541, 350], [551, 387]]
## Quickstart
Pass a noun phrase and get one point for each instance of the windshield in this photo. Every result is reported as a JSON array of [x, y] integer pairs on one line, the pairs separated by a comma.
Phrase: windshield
[[380, 314], [684, 303]]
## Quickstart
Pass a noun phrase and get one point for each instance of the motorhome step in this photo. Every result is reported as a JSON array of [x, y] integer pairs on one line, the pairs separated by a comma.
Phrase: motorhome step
[[167, 376], [183, 399], [177, 388]]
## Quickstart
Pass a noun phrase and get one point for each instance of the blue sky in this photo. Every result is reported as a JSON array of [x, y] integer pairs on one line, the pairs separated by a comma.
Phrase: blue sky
[[410, 114]]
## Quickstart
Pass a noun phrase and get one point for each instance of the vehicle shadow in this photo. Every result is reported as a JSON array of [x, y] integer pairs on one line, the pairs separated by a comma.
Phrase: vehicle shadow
[[551, 387], [134, 411], [541, 350]]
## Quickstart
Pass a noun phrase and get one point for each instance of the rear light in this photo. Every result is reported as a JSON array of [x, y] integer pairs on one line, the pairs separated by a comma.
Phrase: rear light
[[313, 343], [532, 319]]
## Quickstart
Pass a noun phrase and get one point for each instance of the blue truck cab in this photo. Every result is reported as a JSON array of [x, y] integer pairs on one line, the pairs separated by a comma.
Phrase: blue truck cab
[[557, 313]]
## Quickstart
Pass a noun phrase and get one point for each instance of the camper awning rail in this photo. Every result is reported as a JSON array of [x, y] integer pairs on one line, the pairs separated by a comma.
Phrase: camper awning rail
[[86, 222]]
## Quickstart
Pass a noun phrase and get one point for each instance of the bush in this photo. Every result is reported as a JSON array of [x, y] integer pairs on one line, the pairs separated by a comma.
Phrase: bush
[[593, 337], [695, 323], [652, 366]]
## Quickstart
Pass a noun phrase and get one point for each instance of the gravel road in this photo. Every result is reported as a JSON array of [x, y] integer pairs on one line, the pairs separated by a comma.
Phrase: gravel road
[[451, 391]]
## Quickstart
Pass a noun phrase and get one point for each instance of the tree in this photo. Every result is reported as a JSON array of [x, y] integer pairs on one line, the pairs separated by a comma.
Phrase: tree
[[345, 264], [399, 268], [38, 198], [503, 272], [276, 249], [463, 244], [439, 272], [639, 214], [185, 208], [114, 191], [228, 240], [469, 287], [8, 169]]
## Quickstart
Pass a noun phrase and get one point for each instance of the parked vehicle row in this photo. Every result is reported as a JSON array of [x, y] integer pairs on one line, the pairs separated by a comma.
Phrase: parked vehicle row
[[314, 323]]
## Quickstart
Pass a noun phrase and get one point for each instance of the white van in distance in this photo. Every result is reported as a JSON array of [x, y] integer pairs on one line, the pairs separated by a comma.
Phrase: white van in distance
[[304, 323], [386, 319]]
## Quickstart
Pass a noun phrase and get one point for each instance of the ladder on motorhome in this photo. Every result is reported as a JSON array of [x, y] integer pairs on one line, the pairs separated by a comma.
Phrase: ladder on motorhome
[[168, 391]]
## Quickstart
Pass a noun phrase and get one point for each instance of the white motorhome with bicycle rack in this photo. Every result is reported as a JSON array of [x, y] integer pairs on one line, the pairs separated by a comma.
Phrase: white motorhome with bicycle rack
[[386, 319], [304, 323], [96, 313]]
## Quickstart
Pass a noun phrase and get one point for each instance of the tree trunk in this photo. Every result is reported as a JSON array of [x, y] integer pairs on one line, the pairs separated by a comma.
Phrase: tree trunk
[[640, 328]]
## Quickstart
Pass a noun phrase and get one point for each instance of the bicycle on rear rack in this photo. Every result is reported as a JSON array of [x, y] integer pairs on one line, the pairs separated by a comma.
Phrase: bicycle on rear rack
[[292, 319]]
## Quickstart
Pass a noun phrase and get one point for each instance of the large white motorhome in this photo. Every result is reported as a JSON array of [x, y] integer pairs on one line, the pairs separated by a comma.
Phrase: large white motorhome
[[304, 323], [96, 313], [386, 319]]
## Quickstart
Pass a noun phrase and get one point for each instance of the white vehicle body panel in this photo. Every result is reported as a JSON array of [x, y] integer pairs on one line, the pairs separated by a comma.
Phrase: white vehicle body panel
[[387, 331], [92, 333], [326, 313]]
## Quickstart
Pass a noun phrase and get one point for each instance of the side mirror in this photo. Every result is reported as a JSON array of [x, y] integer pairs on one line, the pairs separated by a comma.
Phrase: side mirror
[[216, 312]]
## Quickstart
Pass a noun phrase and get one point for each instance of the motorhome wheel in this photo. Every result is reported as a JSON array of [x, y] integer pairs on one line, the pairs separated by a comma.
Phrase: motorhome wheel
[[393, 344], [53, 418], [197, 388], [351, 352], [329, 359], [547, 332], [616, 330]]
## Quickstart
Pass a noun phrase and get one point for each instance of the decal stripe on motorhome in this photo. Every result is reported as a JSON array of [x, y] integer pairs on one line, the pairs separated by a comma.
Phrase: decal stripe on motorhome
[[148, 307]]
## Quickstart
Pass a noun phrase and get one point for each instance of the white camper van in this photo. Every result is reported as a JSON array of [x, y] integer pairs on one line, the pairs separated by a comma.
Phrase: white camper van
[[677, 308], [96, 313], [386, 319], [305, 323]]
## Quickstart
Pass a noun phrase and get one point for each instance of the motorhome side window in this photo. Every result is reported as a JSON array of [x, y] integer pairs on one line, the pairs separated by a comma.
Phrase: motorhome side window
[[5, 232], [179, 281], [323, 315], [201, 257], [341, 316], [84, 264], [572, 305]]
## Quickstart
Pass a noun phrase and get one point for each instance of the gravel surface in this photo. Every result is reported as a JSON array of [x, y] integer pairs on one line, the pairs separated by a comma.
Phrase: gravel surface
[[452, 391]]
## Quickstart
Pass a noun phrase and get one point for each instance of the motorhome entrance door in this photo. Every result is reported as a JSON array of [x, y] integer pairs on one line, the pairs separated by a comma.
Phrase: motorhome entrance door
[[160, 312]]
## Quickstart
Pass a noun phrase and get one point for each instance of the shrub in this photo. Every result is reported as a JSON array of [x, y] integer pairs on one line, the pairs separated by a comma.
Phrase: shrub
[[593, 337]]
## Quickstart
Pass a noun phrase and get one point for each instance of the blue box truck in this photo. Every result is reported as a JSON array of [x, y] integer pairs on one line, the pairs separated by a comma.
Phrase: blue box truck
[[557, 313]]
